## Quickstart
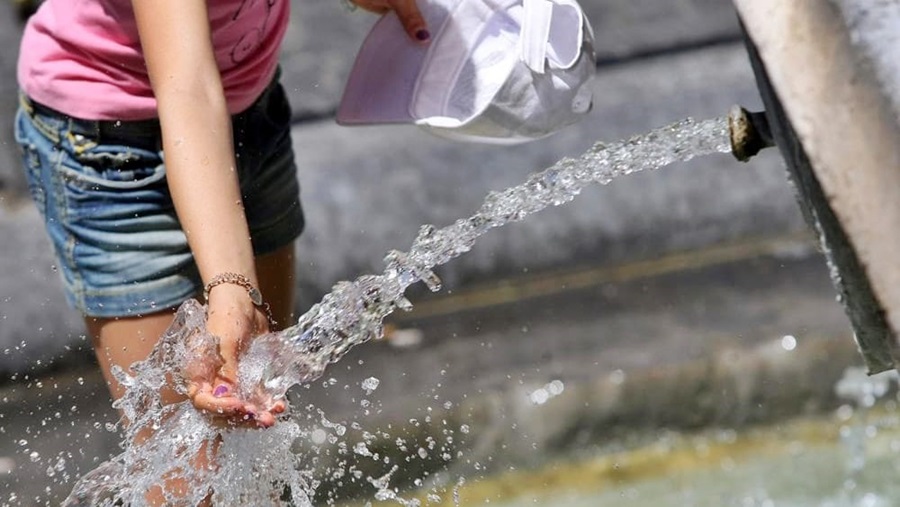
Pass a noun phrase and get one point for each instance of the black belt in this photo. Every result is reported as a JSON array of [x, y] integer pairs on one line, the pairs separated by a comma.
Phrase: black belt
[[114, 129], [143, 129]]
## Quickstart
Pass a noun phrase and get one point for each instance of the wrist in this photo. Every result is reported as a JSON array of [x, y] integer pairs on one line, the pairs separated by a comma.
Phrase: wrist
[[231, 314], [238, 290], [227, 295]]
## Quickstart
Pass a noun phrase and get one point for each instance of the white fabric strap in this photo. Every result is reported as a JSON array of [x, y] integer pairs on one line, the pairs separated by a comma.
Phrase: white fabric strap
[[535, 33]]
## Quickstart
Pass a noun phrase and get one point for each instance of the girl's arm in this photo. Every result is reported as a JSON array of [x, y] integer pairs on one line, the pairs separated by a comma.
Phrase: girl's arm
[[202, 178]]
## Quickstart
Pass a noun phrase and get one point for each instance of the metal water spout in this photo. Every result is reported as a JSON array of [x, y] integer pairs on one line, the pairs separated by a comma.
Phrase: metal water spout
[[750, 133]]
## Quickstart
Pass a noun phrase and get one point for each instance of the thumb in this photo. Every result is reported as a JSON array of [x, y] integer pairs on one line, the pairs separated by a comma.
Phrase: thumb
[[228, 373], [411, 18], [229, 370]]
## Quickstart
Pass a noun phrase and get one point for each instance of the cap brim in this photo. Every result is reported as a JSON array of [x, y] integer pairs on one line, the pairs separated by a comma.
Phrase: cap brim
[[383, 77]]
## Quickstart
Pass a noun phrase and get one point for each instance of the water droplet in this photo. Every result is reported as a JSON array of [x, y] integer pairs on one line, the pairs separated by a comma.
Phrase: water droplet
[[318, 436], [788, 342], [539, 396], [370, 384], [361, 449], [556, 387]]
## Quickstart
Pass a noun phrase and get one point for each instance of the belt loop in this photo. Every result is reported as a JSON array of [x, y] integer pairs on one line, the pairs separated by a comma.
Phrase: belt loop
[[51, 131], [82, 134], [25, 103]]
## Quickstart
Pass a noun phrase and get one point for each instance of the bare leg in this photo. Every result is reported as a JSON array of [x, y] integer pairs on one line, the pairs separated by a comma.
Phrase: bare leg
[[276, 274], [124, 341]]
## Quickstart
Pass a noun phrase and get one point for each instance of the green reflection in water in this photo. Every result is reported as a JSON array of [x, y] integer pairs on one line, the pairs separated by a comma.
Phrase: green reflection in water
[[839, 461]]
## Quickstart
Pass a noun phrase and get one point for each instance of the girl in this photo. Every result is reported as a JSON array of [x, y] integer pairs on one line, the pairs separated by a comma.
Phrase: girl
[[156, 141]]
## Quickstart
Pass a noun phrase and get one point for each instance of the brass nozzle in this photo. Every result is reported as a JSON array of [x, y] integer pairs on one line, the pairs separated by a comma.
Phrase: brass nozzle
[[750, 133]]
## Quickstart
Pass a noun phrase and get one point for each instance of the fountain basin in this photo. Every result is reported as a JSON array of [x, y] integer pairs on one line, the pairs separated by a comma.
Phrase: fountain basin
[[798, 463]]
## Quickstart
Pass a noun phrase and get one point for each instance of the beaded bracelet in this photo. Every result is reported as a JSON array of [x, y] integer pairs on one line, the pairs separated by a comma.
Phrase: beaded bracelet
[[238, 279]]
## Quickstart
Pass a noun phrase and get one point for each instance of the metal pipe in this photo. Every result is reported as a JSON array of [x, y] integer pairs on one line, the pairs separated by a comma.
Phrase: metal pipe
[[750, 133]]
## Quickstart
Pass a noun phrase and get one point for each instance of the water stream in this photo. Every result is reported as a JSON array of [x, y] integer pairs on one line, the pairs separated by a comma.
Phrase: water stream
[[259, 467]]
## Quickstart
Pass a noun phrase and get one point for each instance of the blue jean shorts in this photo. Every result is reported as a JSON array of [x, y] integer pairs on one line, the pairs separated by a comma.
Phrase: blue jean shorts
[[101, 188]]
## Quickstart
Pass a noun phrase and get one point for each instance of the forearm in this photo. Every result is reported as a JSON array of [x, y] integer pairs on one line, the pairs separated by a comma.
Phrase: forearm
[[197, 138], [203, 181]]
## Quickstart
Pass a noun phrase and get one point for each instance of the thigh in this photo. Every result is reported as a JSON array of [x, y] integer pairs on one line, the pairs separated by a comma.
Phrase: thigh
[[123, 341], [276, 273]]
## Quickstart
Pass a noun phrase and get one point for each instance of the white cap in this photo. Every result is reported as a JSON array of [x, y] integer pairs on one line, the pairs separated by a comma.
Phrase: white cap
[[495, 71]]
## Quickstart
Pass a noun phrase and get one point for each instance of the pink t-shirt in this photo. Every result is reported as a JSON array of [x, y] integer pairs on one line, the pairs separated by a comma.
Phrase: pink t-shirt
[[83, 57]]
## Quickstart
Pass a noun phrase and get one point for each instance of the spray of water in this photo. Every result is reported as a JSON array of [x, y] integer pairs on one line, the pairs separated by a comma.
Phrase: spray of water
[[251, 467]]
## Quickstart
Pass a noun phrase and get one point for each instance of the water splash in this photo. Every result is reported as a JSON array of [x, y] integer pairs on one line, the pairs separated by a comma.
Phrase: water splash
[[253, 467]]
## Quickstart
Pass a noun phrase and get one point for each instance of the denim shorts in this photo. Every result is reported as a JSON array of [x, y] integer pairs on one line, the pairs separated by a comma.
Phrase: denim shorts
[[101, 188]]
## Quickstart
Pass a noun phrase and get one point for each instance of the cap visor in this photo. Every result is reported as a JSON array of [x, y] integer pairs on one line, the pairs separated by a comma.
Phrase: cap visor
[[383, 77]]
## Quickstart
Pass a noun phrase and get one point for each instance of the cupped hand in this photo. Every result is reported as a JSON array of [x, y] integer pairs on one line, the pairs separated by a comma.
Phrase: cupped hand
[[212, 377], [407, 11]]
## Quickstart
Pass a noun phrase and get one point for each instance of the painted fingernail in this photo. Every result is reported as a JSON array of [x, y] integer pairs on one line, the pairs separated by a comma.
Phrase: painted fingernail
[[220, 391], [423, 35]]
